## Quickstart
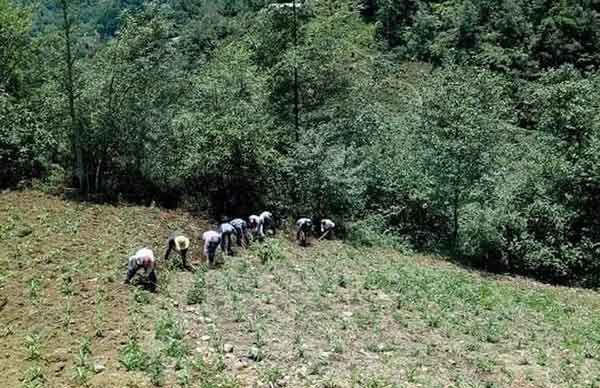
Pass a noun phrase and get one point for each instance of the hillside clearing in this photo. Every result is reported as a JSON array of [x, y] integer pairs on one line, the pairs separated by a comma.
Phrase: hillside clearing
[[275, 315]]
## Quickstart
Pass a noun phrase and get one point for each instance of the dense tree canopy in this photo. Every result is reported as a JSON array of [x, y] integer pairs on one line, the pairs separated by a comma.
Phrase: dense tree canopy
[[469, 126]]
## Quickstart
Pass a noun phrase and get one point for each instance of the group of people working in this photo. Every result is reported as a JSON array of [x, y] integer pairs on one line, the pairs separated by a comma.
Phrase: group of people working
[[257, 227]]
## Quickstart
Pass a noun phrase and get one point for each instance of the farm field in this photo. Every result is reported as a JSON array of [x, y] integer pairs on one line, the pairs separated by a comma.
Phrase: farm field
[[275, 315]]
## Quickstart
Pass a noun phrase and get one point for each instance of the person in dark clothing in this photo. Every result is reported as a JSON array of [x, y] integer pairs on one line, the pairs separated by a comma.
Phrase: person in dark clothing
[[327, 228], [226, 230], [265, 223], [241, 231], [303, 229], [211, 240]]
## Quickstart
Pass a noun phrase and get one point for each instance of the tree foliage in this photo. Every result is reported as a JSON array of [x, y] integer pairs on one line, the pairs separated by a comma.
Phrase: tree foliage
[[468, 127]]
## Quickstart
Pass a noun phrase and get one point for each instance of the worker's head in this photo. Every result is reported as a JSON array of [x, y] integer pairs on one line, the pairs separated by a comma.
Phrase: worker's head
[[182, 243]]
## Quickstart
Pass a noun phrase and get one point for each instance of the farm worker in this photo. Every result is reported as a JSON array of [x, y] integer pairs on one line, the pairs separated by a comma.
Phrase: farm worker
[[241, 231], [226, 230], [327, 228], [265, 222], [212, 240], [303, 228], [143, 258], [253, 222], [180, 243]]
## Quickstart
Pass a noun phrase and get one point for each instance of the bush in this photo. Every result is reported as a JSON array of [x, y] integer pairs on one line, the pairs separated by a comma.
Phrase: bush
[[372, 232], [54, 182], [25, 146]]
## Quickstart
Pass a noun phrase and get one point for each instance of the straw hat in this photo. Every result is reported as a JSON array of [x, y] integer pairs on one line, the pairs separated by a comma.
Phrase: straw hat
[[181, 243]]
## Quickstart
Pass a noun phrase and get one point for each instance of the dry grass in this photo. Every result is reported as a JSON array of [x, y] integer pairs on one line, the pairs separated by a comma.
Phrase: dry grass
[[274, 315]]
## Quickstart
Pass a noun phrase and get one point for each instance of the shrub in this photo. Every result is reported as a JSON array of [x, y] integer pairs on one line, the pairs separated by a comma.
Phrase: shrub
[[372, 232]]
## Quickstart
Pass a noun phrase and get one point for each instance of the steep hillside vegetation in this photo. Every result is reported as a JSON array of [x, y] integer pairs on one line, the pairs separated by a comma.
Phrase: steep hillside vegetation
[[466, 127]]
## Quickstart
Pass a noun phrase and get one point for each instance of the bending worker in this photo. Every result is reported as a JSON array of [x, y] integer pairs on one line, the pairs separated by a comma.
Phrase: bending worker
[[143, 259], [180, 243]]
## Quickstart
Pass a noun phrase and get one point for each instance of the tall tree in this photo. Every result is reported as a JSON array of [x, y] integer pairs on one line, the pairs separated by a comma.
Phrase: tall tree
[[68, 23], [464, 112]]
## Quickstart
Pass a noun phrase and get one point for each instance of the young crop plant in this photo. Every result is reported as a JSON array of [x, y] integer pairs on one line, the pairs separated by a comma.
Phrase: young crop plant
[[34, 377], [33, 346], [269, 251], [66, 285], [142, 296], [132, 357], [167, 327], [34, 290], [272, 377], [197, 293], [99, 313], [184, 376], [156, 369]]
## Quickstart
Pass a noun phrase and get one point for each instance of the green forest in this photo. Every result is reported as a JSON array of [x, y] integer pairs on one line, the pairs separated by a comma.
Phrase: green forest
[[463, 127]]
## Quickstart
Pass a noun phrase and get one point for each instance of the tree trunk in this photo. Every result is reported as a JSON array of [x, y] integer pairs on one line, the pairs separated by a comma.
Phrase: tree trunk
[[80, 171], [97, 178], [455, 220], [296, 94]]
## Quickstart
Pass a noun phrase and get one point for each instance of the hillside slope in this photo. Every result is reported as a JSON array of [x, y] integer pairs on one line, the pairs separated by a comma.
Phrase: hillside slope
[[275, 315]]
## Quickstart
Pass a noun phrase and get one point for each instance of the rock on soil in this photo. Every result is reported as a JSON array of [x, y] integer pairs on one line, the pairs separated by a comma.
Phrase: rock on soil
[[98, 368]]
